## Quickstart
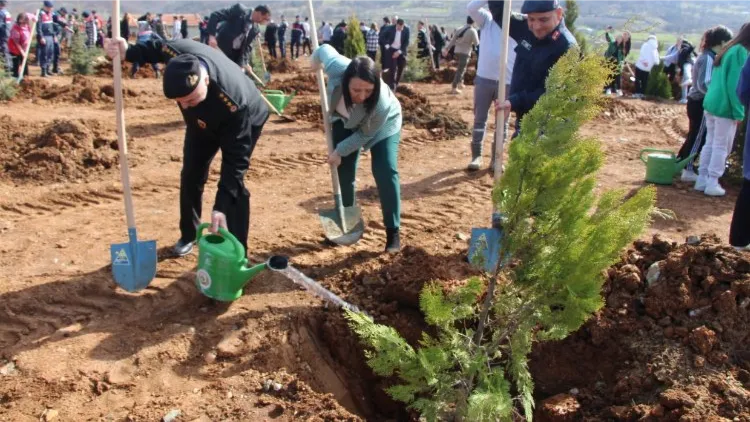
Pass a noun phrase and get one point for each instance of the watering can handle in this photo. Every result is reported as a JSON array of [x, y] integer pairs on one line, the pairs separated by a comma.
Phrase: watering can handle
[[238, 249], [655, 150]]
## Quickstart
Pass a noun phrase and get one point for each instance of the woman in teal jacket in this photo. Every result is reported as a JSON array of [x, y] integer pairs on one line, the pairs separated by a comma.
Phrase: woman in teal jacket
[[724, 111], [365, 115]]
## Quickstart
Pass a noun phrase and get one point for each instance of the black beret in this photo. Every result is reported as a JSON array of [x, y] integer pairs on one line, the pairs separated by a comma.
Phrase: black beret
[[533, 6], [181, 76]]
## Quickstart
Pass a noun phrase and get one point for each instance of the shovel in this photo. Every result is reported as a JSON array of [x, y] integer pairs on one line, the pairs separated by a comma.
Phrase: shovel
[[28, 49], [266, 75], [341, 225], [485, 243], [134, 262]]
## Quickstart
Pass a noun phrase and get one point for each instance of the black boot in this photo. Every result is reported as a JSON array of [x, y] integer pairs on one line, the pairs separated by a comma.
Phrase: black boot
[[44, 72], [392, 241]]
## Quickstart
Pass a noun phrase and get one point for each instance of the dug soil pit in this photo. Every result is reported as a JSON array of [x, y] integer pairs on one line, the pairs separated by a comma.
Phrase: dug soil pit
[[63, 150], [302, 84], [417, 110], [80, 90], [671, 343]]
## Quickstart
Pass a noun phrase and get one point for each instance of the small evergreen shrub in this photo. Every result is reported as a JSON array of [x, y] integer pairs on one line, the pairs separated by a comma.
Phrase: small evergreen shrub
[[658, 83], [81, 57], [354, 44], [558, 238], [8, 85], [416, 69]]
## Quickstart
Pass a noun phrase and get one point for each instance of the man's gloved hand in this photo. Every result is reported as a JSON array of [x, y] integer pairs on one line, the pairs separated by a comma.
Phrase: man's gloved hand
[[212, 41], [115, 46]]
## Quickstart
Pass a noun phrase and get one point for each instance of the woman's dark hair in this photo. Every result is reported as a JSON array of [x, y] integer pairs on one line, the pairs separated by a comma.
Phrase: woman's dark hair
[[362, 67], [263, 9], [21, 17], [469, 20], [716, 36], [742, 38]]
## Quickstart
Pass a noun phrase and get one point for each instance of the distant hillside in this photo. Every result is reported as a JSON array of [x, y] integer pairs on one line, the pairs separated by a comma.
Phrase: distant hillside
[[658, 16]]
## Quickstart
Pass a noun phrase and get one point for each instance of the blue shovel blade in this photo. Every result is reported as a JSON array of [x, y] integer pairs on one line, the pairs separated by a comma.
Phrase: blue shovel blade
[[133, 263], [484, 249]]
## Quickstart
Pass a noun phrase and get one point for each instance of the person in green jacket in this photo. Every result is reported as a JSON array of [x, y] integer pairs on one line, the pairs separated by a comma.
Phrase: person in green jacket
[[617, 50], [365, 115], [724, 111]]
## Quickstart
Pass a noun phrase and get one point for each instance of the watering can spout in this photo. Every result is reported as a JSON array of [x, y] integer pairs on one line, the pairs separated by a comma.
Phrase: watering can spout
[[250, 272], [680, 165], [275, 263]]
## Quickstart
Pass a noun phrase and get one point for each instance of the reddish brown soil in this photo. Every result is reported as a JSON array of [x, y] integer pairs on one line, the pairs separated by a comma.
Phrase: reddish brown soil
[[307, 108], [418, 110], [104, 69], [63, 150], [281, 65], [81, 89], [305, 83], [74, 345], [672, 350], [445, 75]]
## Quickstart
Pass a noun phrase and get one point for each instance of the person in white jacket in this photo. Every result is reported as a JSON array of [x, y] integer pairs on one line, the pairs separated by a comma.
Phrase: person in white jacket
[[648, 58], [488, 75]]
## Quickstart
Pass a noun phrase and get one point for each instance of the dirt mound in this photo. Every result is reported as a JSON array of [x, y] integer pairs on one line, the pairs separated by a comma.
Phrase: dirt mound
[[104, 68], [671, 343], [445, 75], [281, 66], [308, 110], [418, 110], [64, 150], [80, 90], [303, 84]]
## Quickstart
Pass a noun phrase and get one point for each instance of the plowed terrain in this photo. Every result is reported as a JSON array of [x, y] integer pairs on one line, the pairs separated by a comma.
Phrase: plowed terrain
[[74, 347]]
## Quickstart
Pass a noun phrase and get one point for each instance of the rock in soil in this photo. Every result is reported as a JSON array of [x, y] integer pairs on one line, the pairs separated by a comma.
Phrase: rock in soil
[[558, 408]]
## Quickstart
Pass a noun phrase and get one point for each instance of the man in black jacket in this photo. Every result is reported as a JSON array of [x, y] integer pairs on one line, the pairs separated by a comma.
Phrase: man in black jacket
[[282, 36], [270, 36], [339, 37], [394, 40], [222, 109], [542, 39], [239, 27]]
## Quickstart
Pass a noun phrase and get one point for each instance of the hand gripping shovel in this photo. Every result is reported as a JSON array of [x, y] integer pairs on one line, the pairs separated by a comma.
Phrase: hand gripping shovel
[[485, 243], [342, 225], [134, 262]]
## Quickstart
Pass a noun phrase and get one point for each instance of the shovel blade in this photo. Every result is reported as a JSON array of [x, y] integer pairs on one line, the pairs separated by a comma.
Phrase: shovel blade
[[133, 263], [333, 230], [484, 248]]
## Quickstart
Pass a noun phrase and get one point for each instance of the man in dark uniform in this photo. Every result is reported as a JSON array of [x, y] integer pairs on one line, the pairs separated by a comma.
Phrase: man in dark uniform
[[271, 32], [223, 110], [542, 39], [62, 30], [239, 27], [282, 37], [45, 36]]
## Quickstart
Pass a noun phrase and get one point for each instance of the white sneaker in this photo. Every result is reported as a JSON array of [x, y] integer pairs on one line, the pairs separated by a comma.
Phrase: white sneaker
[[713, 188], [688, 176], [608, 92], [742, 248], [683, 101], [455, 91], [475, 164], [619, 93], [700, 183], [461, 86]]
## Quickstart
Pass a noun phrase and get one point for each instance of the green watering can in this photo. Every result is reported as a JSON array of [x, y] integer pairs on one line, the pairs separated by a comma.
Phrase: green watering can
[[222, 265], [278, 99], [662, 166]]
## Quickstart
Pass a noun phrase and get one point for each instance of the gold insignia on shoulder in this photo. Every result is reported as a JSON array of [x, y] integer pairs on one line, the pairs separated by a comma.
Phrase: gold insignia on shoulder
[[192, 79], [201, 124]]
